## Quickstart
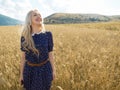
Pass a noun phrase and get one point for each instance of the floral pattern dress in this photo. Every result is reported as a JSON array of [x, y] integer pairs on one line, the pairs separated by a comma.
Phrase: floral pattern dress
[[38, 77]]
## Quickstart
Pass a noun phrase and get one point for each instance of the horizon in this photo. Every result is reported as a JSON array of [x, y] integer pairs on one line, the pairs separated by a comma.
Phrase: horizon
[[65, 13], [19, 8]]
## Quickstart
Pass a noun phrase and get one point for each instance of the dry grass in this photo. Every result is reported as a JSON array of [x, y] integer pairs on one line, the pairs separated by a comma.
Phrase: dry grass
[[86, 58]]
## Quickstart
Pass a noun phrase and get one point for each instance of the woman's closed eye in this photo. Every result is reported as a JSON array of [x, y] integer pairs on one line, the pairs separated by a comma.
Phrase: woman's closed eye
[[35, 14]]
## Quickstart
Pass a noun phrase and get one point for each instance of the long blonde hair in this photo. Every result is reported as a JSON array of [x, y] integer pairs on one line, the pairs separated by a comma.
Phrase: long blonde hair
[[27, 31]]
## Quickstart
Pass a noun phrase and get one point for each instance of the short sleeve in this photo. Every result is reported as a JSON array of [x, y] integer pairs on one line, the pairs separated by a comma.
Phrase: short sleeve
[[50, 41], [21, 44]]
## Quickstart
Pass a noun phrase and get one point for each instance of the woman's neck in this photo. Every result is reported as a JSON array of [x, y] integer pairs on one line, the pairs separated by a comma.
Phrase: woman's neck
[[36, 29]]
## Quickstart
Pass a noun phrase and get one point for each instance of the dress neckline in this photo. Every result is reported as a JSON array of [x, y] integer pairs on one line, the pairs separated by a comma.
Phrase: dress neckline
[[36, 33]]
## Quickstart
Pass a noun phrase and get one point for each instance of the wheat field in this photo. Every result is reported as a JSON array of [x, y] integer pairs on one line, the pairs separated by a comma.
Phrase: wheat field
[[87, 56]]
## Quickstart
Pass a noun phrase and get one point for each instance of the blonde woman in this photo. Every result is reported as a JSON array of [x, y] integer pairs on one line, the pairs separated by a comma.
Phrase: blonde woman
[[37, 69]]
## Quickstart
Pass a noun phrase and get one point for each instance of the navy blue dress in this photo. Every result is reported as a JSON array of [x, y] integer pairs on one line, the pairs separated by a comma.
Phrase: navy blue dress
[[38, 77]]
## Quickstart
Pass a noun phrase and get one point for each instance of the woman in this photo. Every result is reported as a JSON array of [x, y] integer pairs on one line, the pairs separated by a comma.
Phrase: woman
[[37, 67]]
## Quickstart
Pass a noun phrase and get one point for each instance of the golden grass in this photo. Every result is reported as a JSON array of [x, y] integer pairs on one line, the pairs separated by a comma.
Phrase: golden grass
[[86, 58]]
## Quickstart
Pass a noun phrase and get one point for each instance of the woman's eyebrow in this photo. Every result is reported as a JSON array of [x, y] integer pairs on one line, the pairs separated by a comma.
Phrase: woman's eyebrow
[[34, 12], [39, 14]]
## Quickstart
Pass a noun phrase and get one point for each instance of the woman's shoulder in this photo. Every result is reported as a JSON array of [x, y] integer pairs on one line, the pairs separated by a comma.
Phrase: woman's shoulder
[[49, 33]]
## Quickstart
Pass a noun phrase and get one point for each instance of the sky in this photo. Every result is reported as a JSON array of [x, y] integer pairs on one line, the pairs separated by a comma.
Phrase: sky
[[19, 8]]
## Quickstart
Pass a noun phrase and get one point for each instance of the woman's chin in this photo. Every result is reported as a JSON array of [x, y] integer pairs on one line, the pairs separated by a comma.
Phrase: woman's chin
[[38, 23]]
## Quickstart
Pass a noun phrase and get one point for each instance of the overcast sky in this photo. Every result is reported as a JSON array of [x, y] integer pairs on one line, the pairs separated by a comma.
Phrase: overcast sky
[[19, 8]]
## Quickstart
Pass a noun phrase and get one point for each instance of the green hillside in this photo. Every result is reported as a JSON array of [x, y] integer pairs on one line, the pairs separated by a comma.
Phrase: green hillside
[[78, 18], [5, 20], [63, 18]]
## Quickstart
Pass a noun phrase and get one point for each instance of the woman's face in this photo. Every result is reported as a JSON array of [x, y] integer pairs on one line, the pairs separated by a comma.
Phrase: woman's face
[[36, 18]]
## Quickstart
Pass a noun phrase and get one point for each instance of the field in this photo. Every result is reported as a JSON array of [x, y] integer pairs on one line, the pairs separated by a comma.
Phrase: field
[[87, 56]]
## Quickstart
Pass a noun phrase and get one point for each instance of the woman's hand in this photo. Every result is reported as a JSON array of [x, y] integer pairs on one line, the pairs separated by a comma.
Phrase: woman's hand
[[21, 80], [54, 75]]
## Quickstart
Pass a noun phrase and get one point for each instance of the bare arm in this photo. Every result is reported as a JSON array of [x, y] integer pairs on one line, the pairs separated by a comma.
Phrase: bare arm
[[22, 63], [51, 58]]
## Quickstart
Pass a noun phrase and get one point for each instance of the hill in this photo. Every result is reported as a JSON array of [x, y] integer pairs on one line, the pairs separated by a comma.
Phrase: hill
[[5, 20], [62, 18]]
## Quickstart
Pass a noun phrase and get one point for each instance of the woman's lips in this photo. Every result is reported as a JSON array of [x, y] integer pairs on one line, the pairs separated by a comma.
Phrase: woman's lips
[[38, 19]]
